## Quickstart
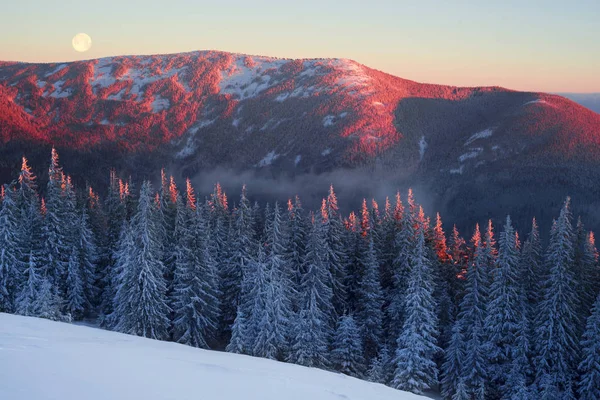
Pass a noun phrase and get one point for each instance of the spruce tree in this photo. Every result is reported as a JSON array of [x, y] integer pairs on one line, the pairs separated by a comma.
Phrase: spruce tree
[[295, 248], [312, 327], [75, 302], [555, 339], [141, 303], [195, 303], [472, 319], [56, 229], [416, 370], [346, 355], [369, 313], [452, 368], [335, 253], [87, 257], [589, 368], [506, 310], [242, 255], [10, 250]]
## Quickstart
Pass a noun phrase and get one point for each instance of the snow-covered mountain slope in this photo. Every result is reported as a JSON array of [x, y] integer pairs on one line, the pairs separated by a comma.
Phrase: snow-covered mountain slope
[[43, 360], [490, 148]]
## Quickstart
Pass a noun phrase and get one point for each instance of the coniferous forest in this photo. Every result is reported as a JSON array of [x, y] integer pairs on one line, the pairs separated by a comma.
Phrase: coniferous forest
[[382, 294]]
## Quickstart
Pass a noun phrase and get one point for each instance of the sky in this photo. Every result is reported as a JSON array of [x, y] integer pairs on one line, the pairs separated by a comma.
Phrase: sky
[[532, 45]]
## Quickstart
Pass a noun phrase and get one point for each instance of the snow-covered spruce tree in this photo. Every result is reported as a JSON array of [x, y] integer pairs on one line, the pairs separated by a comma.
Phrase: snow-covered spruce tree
[[274, 319], [252, 303], [273, 328], [589, 368], [416, 370], [356, 251], [169, 196], [531, 270], [472, 320], [385, 245], [347, 352], [446, 309], [452, 368], [195, 303], [405, 245], [490, 250], [87, 255], [107, 274], [36, 297], [75, 302], [335, 250], [379, 371], [295, 248], [369, 313], [55, 229], [506, 313], [141, 303], [456, 274], [555, 341], [243, 249], [313, 325], [10, 250], [588, 278]]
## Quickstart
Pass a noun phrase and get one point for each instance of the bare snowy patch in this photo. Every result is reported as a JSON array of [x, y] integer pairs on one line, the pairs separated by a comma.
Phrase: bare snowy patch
[[329, 120], [326, 152], [243, 81], [471, 154], [480, 135], [458, 170], [297, 160], [55, 70], [59, 92], [268, 159]]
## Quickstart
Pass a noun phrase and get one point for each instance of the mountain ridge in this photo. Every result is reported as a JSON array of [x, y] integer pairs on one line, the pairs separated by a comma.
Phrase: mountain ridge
[[198, 111]]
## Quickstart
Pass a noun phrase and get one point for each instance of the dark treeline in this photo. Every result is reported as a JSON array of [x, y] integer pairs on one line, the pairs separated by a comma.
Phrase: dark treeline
[[381, 294]]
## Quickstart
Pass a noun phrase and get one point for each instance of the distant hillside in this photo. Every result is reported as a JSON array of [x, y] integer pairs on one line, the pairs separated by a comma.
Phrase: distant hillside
[[474, 153]]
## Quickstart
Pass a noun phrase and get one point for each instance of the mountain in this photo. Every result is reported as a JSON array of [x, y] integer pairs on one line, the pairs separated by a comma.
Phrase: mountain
[[589, 100], [472, 153], [46, 360]]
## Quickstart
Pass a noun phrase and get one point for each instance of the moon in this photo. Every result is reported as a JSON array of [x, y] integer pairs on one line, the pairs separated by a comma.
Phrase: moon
[[82, 42]]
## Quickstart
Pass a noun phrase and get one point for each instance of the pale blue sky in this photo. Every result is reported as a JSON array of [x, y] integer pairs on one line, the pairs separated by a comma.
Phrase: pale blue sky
[[528, 45]]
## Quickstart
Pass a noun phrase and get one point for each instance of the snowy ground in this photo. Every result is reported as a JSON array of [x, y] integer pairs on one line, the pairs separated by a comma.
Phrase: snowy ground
[[41, 360]]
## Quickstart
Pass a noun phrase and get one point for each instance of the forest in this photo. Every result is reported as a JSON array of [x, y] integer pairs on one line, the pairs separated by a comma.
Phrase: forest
[[382, 294]]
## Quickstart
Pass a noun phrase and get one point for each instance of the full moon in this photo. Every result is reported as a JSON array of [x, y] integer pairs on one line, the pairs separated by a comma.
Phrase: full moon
[[82, 42]]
